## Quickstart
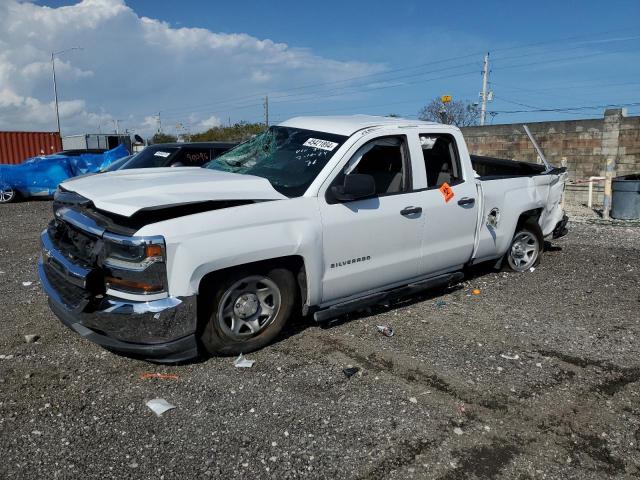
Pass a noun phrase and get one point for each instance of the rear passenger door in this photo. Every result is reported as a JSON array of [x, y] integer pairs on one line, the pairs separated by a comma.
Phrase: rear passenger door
[[449, 201]]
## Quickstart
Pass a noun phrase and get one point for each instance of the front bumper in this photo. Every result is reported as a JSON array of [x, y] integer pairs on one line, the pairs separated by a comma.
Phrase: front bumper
[[162, 331]]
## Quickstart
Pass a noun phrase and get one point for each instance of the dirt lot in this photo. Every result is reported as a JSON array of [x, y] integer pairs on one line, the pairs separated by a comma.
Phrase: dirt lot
[[536, 377]]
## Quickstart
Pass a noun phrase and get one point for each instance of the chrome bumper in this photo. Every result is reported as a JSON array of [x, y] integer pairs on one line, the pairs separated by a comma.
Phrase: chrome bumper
[[159, 330]]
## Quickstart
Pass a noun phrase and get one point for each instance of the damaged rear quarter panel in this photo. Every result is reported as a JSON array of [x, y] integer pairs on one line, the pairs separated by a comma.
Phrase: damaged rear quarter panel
[[210, 241], [512, 197]]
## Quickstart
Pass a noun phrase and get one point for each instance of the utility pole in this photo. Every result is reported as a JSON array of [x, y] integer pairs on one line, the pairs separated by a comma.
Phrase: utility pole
[[55, 84], [485, 96], [159, 123], [55, 89], [266, 110]]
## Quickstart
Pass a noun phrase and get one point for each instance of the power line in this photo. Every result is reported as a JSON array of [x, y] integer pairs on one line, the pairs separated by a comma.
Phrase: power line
[[517, 47], [570, 109]]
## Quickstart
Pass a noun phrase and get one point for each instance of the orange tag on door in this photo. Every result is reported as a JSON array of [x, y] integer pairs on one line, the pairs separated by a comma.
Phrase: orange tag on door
[[446, 192]]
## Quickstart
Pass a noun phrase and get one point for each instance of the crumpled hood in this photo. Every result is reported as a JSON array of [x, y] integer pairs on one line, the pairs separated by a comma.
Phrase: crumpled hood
[[124, 192]]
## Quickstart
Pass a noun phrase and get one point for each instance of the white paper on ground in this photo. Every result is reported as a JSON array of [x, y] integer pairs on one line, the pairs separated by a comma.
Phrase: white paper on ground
[[159, 406], [242, 362]]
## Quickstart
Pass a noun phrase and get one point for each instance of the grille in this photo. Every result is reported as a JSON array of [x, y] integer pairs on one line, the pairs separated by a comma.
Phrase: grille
[[71, 295], [78, 246]]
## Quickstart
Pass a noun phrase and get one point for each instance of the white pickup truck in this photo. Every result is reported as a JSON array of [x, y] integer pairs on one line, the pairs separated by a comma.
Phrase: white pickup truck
[[316, 216]]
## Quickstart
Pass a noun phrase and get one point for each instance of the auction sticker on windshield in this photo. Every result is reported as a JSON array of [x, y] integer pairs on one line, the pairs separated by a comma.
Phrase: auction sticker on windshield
[[162, 154], [321, 144]]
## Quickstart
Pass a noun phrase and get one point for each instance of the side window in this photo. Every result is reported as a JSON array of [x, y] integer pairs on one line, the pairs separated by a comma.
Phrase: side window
[[386, 160], [440, 160], [191, 157]]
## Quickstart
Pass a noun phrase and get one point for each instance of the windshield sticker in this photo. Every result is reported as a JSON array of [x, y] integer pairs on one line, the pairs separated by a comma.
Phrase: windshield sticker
[[162, 154], [321, 144]]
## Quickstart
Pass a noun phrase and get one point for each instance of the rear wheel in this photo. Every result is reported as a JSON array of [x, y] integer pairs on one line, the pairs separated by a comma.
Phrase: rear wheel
[[7, 194], [526, 247], [247, 310]]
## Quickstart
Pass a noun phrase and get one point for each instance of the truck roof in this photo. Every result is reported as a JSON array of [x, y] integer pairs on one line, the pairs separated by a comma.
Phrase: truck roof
[[349, 124]]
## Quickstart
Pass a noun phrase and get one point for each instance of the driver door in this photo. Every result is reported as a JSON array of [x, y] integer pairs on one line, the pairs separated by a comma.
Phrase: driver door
[[373, 242]]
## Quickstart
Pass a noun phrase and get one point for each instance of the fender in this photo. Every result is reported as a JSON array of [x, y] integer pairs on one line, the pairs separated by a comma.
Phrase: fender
[[210, 241]]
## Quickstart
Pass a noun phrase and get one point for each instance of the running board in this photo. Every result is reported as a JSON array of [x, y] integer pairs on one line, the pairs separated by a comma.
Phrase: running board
[[380, 297]]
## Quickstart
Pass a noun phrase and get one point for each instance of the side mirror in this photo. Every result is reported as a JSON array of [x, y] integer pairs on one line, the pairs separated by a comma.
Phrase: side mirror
[[356, 186]]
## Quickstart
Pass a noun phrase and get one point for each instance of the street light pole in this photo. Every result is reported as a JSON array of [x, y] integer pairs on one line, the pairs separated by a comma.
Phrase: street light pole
[[55, 85], [55, 89]]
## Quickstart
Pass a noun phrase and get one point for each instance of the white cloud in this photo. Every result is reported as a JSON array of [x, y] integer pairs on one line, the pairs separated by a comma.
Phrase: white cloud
[[210, 122], [132, 67]]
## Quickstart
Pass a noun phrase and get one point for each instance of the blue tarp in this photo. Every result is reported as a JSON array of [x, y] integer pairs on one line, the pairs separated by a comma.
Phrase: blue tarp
[[40, 176]]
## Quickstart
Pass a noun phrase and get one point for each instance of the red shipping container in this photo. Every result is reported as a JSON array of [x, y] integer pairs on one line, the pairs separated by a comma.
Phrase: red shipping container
[[18, 146]]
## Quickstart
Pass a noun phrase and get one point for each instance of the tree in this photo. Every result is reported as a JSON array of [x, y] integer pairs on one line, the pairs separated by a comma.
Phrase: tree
[[163, 138], [234, 133], [458, 113]]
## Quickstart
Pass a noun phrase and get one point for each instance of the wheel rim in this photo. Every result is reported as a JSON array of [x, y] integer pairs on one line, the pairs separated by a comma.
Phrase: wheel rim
[[524, 251], [248, 307], [6, 194]]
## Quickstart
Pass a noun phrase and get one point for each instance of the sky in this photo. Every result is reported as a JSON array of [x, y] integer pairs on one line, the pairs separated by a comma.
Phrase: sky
[[190, 65]]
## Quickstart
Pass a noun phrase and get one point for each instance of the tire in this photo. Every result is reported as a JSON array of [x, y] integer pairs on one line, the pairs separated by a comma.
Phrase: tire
[[526, 247], [7, 194], [247, 310]]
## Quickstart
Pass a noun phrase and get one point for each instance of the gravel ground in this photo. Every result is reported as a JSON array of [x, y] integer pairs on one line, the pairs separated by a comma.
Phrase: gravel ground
[[536, 377]]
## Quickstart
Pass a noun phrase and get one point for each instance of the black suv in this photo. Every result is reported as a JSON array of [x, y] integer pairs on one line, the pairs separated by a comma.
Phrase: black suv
[[174, 155]]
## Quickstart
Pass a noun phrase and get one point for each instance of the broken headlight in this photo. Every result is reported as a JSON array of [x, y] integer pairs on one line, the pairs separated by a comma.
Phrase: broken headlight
[[135, 265]]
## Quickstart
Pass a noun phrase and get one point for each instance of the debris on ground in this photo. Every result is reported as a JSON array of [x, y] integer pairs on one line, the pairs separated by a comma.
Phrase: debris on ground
[[159, 406], [532, 269], [350, 371], [458, 431], [385, 330], [475, 291], [440, 303], [510, 357], [161, 376], [242, 362], [27, 284], [31, 338], [413, 399]]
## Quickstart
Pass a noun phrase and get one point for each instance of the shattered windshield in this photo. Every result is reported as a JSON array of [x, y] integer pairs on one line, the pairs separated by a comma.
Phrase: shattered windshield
[[289, 158]]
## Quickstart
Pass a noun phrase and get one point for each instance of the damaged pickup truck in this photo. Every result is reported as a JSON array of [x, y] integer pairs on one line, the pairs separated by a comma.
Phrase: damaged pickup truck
[[316, 216]]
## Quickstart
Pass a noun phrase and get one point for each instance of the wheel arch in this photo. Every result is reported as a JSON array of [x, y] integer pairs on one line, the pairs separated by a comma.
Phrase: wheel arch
[[294, 263]]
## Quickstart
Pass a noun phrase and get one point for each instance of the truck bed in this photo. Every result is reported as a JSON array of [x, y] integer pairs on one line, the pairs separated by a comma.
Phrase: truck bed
[[489, 168]]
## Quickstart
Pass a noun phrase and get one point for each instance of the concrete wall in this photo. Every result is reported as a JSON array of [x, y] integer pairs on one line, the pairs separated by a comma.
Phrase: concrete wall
[[582, 145]]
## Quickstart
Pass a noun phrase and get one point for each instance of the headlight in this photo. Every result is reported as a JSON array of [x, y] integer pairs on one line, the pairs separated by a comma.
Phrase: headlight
[[135, 265]]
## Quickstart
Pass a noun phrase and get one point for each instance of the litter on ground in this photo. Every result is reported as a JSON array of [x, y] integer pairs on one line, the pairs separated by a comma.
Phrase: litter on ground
[[385, 330], [31, 338], [510, 357], [475, 291], [159, 406], [242, 362], [27, 284], [350, 371]]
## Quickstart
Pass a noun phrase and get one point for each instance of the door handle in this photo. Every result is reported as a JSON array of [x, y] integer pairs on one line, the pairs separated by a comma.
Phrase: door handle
[[466, 201], [410, 211]]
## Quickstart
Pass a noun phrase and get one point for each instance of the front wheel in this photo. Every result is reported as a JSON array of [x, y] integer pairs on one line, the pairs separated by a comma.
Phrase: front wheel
[[247, 310], [526, 247], [7, 194]]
